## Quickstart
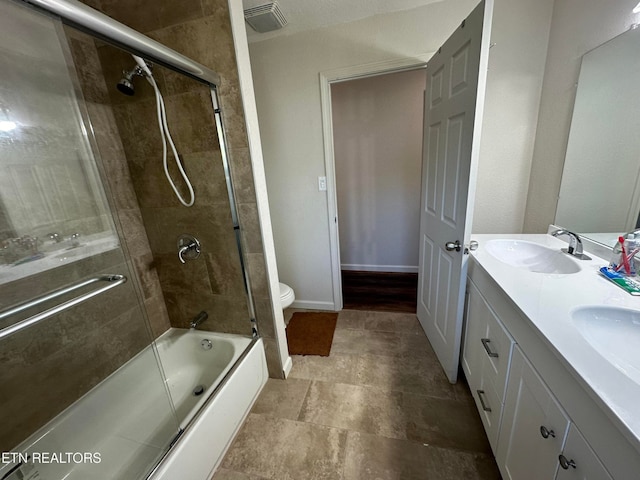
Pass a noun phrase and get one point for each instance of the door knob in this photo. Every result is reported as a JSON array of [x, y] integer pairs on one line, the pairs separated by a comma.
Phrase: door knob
[[450, 246]]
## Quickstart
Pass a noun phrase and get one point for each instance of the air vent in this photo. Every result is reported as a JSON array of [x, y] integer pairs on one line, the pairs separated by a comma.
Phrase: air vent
[[265, 18]]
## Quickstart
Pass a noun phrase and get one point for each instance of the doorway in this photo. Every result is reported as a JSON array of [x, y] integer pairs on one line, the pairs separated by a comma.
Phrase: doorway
[[377, 145]]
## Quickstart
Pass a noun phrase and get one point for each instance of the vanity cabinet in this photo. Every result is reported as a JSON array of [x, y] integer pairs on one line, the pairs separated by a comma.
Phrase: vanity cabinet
[[485, 361], [534, 425], [536, 413]]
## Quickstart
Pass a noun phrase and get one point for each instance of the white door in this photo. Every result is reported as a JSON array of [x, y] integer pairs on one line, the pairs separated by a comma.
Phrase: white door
[[456, 79]]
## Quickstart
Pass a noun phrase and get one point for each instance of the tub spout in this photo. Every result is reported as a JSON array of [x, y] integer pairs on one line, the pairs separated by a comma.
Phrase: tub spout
[[199, 318]]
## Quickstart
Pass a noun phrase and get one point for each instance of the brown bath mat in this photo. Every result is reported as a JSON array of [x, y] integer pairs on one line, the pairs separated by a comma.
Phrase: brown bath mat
[[311, 333]]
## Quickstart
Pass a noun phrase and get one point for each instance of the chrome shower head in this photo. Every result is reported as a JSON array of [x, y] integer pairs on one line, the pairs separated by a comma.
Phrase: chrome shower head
[[125, 85]]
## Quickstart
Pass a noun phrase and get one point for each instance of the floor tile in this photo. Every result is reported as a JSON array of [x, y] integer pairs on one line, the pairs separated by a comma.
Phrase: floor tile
[[393, 322], [336, 367], [356, 342], [420, 374], [351, 319], [379, 407], [372, 457], [416, 346], [282, 398], [354, 407], [444, 423], [224, 474], [281, 449]]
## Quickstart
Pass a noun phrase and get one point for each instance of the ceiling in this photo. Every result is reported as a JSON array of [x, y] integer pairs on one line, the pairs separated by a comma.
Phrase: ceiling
[[305, 15]]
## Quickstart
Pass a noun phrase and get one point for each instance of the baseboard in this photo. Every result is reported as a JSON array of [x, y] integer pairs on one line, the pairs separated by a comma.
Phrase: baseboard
[[380, 268], [311, 305], [288, 365]]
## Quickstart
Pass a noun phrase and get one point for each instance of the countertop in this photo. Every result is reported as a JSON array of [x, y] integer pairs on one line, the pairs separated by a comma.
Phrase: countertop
[[548, 299]]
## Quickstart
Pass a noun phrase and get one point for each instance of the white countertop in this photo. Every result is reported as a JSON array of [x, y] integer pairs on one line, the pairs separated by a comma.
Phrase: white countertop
[[548, 299]]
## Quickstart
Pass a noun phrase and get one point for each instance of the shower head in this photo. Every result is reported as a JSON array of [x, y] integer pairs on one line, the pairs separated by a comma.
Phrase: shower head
[[125, 85]]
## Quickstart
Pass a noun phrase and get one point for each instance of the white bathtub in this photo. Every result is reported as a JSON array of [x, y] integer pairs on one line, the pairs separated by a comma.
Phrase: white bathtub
[[128, 421]]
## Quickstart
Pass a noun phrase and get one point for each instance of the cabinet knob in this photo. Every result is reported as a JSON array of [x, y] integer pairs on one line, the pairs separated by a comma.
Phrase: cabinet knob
[[546, 433], [564, 463]]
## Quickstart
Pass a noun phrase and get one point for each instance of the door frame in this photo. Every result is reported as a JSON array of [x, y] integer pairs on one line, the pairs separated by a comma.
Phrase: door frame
[[327, 78]]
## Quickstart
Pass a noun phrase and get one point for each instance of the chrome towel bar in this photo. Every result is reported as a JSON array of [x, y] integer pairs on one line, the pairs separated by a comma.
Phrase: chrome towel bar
[[112, 282]]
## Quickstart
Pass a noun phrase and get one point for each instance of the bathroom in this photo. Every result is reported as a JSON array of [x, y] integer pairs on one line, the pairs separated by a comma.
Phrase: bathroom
[[174, 296]]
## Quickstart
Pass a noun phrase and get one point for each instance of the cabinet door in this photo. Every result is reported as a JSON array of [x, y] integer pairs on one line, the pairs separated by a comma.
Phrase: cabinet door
[[578, 461], [533, 428]]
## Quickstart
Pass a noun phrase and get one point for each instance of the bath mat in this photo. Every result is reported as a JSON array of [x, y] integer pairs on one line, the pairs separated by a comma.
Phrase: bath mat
[[311, 333]]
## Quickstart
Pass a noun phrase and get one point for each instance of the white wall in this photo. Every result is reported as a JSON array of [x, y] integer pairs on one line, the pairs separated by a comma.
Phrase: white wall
[[520, 33], [285, 73], [578, 26], [377, 137]]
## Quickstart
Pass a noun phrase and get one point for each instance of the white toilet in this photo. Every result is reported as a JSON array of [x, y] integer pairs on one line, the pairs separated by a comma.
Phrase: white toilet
[[286, 295]]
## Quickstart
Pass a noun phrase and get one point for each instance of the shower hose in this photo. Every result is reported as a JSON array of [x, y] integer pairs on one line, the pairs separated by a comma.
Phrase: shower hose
[[165, 135]]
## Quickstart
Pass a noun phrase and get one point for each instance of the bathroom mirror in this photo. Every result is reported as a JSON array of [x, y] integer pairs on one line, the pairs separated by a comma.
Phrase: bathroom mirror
[[51, 197], [600, 189]]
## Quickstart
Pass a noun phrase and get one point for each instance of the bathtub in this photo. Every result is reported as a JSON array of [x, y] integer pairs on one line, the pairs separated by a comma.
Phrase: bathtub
[[212, 379]]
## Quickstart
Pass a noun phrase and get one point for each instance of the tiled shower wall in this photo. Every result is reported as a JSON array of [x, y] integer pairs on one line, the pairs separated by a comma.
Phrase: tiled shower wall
[[201, 30], [96, 97]]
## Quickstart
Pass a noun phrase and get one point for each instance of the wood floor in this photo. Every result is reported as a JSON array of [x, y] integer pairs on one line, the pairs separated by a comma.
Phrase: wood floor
[[381, 291]]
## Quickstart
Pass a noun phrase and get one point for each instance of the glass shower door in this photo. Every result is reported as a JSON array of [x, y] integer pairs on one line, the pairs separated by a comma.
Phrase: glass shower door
[[82, 395]]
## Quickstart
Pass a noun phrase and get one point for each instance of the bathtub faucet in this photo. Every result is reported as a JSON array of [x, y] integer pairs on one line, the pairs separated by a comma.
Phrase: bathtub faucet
[[199, 318]]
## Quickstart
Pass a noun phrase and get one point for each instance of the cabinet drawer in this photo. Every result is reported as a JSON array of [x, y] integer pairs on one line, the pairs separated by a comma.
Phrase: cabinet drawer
[[490, 408], [488, 342]]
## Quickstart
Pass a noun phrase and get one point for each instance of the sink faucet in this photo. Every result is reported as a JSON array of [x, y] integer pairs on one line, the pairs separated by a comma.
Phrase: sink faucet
[[198, 319], [575, 244]]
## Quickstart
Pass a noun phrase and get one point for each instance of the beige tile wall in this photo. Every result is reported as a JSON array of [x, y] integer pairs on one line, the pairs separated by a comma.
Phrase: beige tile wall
[[201, 30]]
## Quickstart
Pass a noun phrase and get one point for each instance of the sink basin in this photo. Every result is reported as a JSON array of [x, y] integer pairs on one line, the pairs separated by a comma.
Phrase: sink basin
[[531, 256], [615, 333]]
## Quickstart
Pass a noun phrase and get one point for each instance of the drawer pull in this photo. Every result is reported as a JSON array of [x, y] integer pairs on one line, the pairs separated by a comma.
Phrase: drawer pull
[[485, 344], [564, 463], [484, 406], [546, 433]]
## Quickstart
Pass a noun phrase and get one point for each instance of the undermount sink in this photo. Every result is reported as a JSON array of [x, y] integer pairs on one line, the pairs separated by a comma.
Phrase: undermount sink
[[531, 256], [615, 333]]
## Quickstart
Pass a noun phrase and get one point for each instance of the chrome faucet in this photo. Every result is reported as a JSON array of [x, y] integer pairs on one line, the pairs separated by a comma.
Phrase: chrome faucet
[[575, 244], [198, 319]]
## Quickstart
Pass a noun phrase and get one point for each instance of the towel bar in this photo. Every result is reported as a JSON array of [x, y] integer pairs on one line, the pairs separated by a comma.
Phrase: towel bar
[[113, 281]]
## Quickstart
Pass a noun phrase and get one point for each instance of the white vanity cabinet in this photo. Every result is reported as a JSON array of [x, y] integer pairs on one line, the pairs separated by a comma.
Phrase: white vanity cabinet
[[534, 425], [536, 411], [485, 361], [578, 461]]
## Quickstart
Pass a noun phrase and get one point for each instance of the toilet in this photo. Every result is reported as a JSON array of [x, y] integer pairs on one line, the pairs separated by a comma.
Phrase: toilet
[[286, 295]]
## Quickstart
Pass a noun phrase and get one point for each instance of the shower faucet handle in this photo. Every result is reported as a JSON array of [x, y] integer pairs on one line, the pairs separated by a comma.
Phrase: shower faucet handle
[[188, 248]]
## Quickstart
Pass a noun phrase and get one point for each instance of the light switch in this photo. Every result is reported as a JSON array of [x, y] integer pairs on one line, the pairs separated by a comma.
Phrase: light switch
[[322, 184]]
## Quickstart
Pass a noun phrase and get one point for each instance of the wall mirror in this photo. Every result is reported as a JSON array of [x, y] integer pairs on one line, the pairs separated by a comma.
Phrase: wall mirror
[[600, 189]]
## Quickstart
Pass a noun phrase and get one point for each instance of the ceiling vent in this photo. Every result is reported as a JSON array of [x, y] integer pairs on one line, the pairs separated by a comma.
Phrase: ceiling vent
[[265, 18]]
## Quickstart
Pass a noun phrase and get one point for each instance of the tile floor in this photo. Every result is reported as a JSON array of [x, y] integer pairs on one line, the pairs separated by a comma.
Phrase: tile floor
[[378, 408]]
